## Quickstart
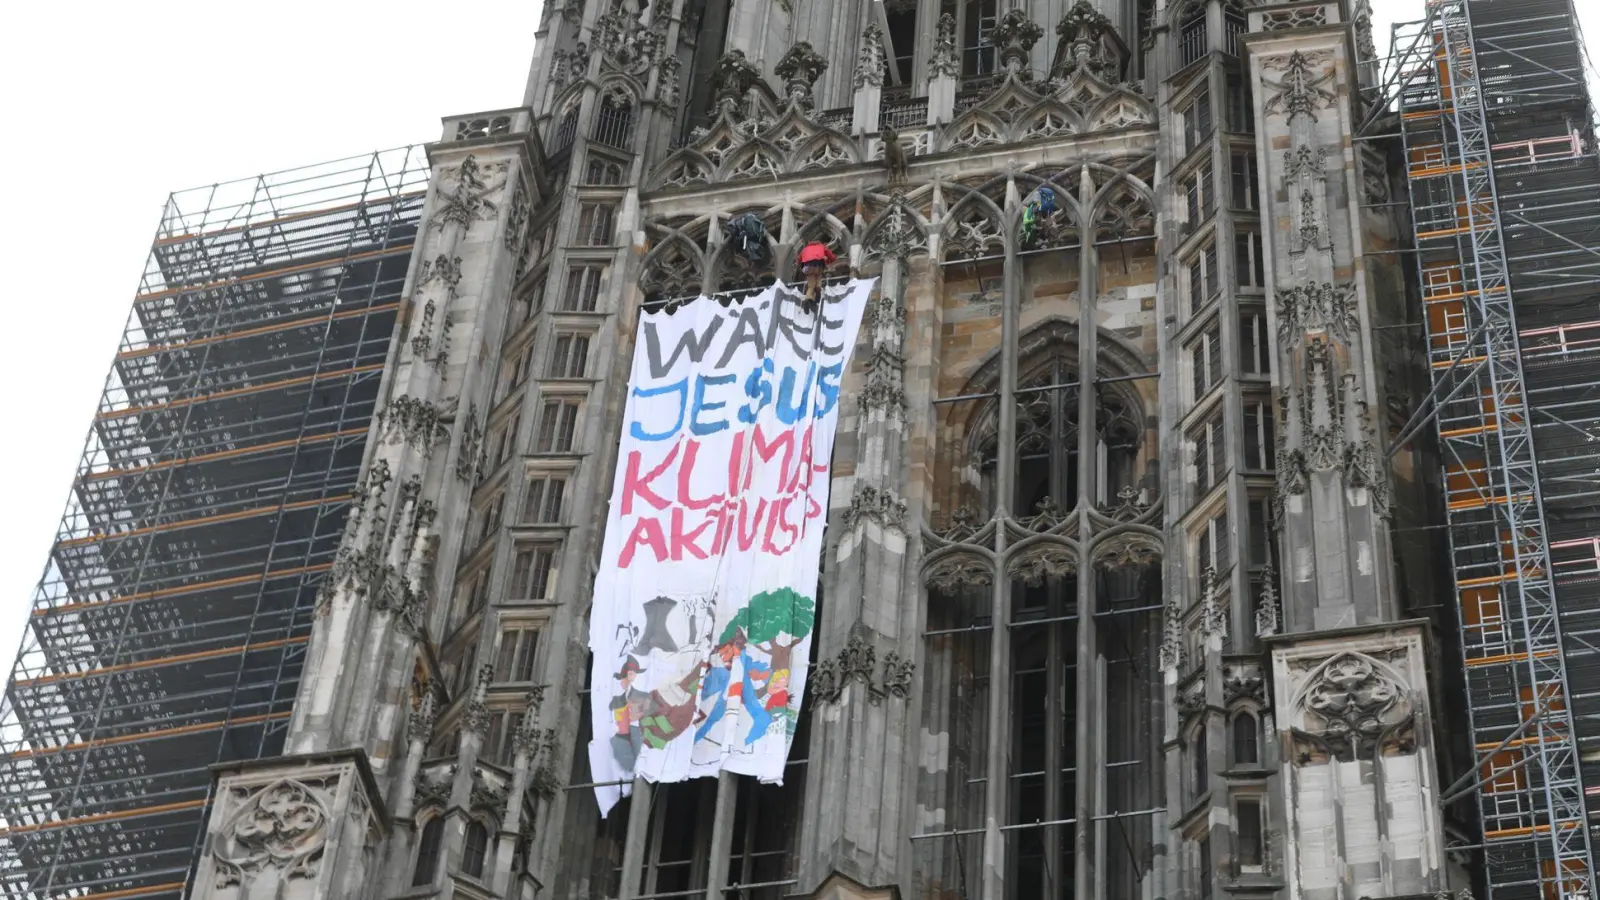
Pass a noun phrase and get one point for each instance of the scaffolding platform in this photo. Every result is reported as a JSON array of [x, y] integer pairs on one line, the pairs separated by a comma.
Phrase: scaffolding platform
[[1504, 179], [168, 631]]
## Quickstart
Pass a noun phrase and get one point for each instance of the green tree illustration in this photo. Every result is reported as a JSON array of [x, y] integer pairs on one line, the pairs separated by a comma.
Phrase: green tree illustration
[[769, 615]]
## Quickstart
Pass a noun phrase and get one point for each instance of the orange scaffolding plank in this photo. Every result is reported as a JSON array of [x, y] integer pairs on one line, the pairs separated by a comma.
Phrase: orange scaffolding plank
[[106, 817], [182, 589], [238, 392], [202, 520], [160, 661], [158, 734], [1503, 658], [222, 454], [285, 325], [136, 892], [274, 273]]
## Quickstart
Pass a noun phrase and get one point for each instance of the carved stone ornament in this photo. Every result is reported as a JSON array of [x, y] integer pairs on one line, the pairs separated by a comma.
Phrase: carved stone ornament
[[800, 68], [963, 524], [1242, 682], [1082, 47], [871, 59], [895, 235], [823, 683], [1191, 701], [413, 421], [897, 674], [516, 221], [1366, 49], [957, 572], [423, 718], [476, 716], [1301, 91], [1173, 655], [854, 662], [1351, 704], [469, 458], [1128, 550], [945, 60], [876, 505], [1213, 611], [1316, 307], [432, 786], [1040, 562], [1322, 436], [282, 827], [1130, 505], [1015, 34], [667, 87], [1267, 610], [467, 198], [444, 269], [1047, 515], [625, 44], [734, 77], [529, 739], [883, 391]]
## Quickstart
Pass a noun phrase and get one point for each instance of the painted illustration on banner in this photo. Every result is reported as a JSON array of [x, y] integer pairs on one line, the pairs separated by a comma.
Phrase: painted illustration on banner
[[704, 604]]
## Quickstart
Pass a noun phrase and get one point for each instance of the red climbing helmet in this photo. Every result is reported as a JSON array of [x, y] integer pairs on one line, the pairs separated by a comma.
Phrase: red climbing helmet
[[816, 252]]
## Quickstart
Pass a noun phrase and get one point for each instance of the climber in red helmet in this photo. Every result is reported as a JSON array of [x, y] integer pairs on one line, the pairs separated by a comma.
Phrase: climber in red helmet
[[815, 258]]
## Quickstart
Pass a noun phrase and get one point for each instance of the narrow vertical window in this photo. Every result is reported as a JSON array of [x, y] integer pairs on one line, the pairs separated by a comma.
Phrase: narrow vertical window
[[1247, 826], [1254, 348], [475, 849], [542, 506], [558, 426], [980, 18], [1200, 766], [1249, 268], [569, 356], [1260, 435], [1245, 740], [902, 38], [428, 847], [583, 289], [1242, 169], [595, 224]]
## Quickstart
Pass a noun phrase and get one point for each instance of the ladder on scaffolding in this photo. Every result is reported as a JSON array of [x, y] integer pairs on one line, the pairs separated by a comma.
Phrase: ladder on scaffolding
[[1529, 788]]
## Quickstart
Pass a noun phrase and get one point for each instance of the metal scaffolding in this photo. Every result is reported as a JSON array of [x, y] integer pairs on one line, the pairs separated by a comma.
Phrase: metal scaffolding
[[168, 631], [1504, 184]]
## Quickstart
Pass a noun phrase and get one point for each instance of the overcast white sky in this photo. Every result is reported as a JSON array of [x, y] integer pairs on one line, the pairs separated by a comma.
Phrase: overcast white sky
[[109, 106]]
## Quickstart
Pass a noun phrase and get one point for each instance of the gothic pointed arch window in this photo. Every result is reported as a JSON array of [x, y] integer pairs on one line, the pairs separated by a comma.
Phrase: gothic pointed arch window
[[978, 20], [475, 849], [429, 845], [1034, 595], [1192, 39], [1246, 739], [613, 122]]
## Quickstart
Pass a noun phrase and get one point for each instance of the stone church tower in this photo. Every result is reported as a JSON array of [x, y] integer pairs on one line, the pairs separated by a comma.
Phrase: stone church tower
[[1113, 599]]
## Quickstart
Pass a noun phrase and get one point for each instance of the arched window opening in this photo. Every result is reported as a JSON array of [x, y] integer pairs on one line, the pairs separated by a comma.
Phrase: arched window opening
[[1199, 765], [566, 131], [475, 849], [902, 39], [613, 126], [428, 847], [1192, 45], [1234, 26], [1046, 445], [603, 171], [979, 18], [1246, 740]]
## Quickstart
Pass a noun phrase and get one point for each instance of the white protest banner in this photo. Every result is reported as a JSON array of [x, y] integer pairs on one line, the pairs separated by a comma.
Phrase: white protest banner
[[706, 595]]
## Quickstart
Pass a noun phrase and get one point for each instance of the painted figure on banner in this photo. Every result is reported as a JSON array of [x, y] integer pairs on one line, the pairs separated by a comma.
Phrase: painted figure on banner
[[705, 600]]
